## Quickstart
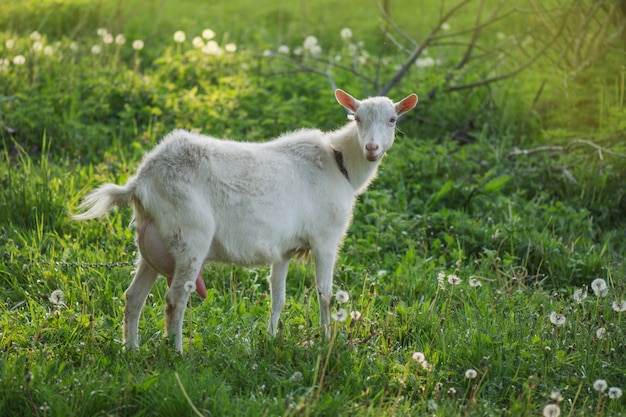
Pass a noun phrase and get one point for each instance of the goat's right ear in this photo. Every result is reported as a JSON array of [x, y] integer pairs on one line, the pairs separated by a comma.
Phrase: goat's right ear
[[346, 100]]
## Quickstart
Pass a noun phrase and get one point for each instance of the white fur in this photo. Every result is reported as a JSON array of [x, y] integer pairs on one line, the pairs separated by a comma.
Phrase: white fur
[[217, 200]]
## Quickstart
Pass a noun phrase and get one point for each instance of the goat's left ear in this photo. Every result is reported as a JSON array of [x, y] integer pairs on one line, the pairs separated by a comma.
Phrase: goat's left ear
[[406, 104], [346, 100]]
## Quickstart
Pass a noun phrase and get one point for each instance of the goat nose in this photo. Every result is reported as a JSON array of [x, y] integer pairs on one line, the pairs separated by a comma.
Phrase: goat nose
[[371, 147]]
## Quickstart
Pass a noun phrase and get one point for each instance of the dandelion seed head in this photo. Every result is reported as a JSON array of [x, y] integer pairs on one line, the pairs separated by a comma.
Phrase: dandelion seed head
[[10, 43], [137, 44], [600, 333], [283, 49], [230, 47], [619, 306], [556, 396], [37, 46], [35, 36], [475, 282], [471, 374], [355, 315], [309, 42], [57, 297], [197, 42], [551, 410], [426, 365], [346, 34], [342, 296], [424, 62], [212, 48], [108, 39], [614, 393], [73, 46], [19, 60], [208, 34], [268, 52], [453, 279], [419, 357], [120, 39], [579, 295], [557, 319], [102, 31], [340, 315], [179, 36], [96, 49], [599, 287], [48, 50], [297, 376], [600, 385], [445, 26]]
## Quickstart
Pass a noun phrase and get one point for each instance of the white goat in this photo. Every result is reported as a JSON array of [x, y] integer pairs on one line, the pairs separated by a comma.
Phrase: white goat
[[198, 199]]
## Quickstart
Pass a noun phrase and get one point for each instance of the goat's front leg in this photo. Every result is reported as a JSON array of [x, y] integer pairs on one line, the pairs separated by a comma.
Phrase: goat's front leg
[[324, 266], [278, 280], [136, 295]]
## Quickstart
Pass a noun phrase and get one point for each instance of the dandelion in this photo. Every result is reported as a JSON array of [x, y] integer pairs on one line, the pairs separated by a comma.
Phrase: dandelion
[[599, 287], [309, 42], [197, 42], [102, 31], [137, 44], [355, 315], [475, 282], [557, 319], [212, 48], [19, 60], [37, 46], [440, 278], [298, 51], [190, 286], [424, 62], [230, 47], [342, 296], [426, 366], [35, 36], [556, 396], [48, 50], [615, 393], [419, 357], [346, 34], [57, 297], [10, 43], [619, 307], [551, 410], [208, 34], [283, 49], [579, 295], [73, 46], [96, 49], [340, 315], [120, 39], [600, 333], [453, 279], [179, 36], [4, 64], [471, 374], [445, 26], [268, 52], [600, 385], [297, 376], [108, 39]]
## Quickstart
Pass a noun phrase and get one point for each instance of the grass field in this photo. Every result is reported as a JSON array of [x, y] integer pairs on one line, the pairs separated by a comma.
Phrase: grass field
[[482, 280]]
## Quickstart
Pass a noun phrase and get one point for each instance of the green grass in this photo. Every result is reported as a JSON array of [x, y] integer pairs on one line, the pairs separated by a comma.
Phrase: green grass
[[438, 210]]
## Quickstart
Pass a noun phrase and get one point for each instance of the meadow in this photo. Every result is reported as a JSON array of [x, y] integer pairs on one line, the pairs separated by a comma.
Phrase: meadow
[[483, 272]]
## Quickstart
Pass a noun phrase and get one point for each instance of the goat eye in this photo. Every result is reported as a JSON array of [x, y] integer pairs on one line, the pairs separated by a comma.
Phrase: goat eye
[[357, 119], [392, 120]]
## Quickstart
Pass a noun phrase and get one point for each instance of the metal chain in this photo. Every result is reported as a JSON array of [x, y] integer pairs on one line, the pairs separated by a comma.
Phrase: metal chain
[[108, 265]]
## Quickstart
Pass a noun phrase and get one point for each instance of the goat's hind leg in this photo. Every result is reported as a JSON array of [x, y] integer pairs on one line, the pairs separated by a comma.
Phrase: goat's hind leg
[[277, 279], [136, 295]]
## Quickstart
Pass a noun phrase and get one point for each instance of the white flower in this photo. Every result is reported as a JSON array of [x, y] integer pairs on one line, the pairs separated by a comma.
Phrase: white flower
[[551, 410], [19, 60], [424, 62], [212, 48], [35, 36], [579, 295], [230, 47], [557, 319], [297, 376], [197, 42], [120, 39], [102, 31], [346, 34], [297, 51], [73, 46], [268, 52], [190, 286], [475, 282], [342, 296], [208, 34], [283, 49], [137, 44], [48, 50], [419, 357], [445, 26], [453, 279], [556, 396], [601, 332], [615, 393], [355, 315], [599, 287], [10, 43], [441, 276], [108, 39], [96, 49], [179, 36], [619, 307], [471, 374], [37, 46], [56, 297], [309, 42], [600, 385], [4, 64]]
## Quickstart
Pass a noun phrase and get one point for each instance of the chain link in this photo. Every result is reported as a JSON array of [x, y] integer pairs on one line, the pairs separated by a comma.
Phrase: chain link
[[97, 265]]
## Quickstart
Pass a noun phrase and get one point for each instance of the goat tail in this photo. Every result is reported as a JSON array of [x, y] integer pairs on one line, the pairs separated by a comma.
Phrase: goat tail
[[98, 202]]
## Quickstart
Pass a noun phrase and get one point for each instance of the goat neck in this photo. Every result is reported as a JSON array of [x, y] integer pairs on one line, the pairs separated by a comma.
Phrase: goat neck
[[360, 171]]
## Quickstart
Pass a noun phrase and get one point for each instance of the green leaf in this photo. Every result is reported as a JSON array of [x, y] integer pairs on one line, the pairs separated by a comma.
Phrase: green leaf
[[496, 184]]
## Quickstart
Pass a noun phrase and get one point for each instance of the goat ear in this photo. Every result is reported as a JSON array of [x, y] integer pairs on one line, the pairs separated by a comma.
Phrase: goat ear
[[346, 100], [406, 104]]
